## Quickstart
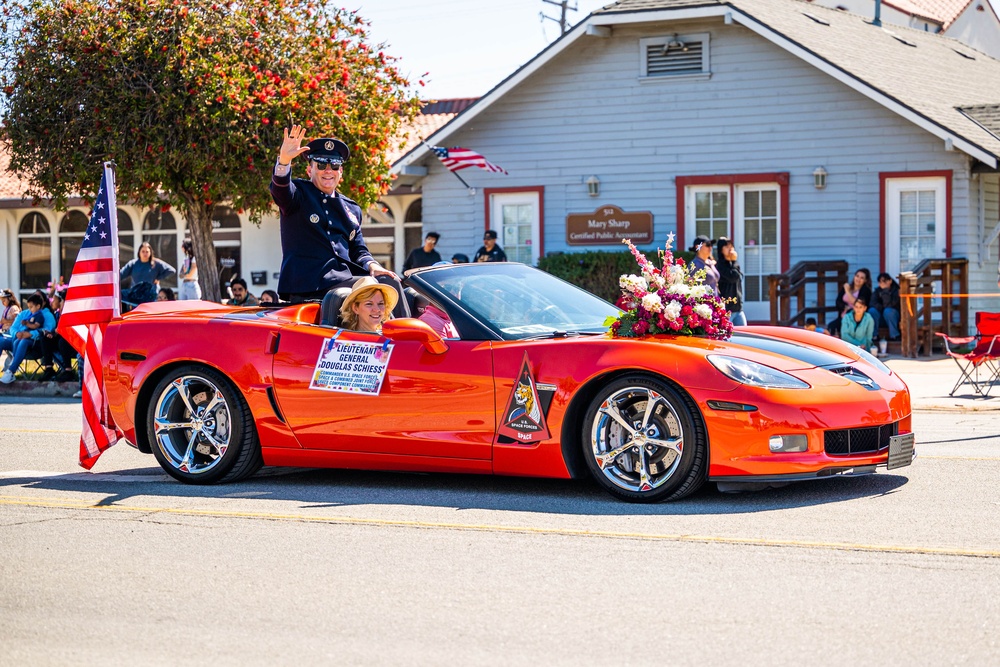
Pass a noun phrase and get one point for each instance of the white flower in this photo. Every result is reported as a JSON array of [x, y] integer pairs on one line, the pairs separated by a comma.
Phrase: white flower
[[651, 302], [672, 310], [677, 274], [656, 282], [633, 283], [681, 289], [704, 311]]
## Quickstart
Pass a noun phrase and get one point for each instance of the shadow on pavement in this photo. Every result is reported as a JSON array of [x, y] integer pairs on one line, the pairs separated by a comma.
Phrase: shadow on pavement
[[320, 489]]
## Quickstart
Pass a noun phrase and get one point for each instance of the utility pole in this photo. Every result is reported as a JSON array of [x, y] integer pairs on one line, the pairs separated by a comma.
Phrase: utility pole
[[563, 7]]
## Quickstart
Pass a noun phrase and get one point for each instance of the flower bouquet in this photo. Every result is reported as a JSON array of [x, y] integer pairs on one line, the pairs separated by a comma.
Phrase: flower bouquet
[[668, 300]]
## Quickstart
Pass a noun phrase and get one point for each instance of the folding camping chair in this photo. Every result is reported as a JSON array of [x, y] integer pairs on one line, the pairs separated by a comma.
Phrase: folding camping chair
[[981, 366]]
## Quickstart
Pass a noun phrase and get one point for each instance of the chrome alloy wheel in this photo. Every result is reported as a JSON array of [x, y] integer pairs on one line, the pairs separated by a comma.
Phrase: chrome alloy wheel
[[637, 439], [192, 424]]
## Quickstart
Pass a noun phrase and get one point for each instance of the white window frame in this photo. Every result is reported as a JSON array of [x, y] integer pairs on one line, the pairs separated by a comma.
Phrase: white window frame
[[530, 197], [690, 228], [755, 310], [893, 188]]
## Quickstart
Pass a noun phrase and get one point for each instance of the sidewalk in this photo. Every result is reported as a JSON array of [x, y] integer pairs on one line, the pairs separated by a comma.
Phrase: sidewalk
[[929, 379]]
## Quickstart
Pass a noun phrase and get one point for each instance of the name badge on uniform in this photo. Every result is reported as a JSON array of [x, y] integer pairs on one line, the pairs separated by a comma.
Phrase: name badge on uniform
[[314, 218], [354, 233]]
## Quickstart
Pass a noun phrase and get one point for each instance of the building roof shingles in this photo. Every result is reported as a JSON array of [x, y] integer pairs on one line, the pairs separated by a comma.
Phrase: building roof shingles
[[925, 72]]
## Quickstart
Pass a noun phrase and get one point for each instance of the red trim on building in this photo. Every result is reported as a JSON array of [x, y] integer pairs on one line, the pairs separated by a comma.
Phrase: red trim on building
[[732, 180], [884, 176], [537, 189]]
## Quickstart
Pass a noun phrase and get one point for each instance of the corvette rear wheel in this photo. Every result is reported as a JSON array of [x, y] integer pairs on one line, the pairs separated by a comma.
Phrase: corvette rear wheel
[[642, 441], [200, 428]]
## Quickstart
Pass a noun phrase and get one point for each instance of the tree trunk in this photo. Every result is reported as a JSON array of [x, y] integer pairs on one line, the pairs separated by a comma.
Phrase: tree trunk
[[199, 218]]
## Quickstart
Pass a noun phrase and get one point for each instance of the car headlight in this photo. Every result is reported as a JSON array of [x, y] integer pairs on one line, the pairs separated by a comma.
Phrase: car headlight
[[873, 360], [754, 374]]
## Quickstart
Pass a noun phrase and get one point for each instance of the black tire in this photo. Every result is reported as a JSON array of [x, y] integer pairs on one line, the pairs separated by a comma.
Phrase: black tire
[[657, 456], [200, 429]]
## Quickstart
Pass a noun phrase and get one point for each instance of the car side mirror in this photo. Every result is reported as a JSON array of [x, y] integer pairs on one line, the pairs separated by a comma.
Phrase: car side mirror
[[410, 328]]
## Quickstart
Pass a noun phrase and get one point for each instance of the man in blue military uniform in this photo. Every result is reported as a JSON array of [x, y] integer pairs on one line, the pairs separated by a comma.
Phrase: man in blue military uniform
[[322, 244]]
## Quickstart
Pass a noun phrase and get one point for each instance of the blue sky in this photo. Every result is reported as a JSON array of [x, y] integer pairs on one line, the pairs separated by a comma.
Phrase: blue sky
[[468, 46]]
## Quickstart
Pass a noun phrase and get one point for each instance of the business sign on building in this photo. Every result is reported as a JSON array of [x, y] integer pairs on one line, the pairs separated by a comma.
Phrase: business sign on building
[[609, 225]]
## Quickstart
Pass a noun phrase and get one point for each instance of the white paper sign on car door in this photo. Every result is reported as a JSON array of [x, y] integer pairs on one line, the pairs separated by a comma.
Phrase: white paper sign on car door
[[351, 366]]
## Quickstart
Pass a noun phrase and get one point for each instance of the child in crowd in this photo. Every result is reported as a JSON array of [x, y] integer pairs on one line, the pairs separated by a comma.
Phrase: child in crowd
[[35, 320], [812, 326]]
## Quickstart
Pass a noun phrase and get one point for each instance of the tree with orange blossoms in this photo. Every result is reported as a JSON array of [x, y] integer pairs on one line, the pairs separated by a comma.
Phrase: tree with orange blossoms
[[189, 98]]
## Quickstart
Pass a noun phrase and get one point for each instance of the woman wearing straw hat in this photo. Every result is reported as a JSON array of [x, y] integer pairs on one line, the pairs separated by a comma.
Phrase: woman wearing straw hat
[[369, 304]]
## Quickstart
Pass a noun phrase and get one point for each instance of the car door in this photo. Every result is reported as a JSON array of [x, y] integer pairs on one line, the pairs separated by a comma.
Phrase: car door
[[428, 404]]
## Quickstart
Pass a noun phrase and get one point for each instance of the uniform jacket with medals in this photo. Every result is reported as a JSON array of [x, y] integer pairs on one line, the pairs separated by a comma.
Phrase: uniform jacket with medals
[[318, 231]]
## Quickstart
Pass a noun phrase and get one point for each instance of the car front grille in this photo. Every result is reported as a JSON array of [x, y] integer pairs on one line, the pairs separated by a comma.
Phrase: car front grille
[[865, 440]]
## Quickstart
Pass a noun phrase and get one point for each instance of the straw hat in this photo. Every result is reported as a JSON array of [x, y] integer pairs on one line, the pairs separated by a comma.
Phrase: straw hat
[[364, 286]]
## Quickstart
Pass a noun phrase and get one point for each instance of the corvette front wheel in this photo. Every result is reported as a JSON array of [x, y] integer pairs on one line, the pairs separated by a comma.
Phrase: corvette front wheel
[[643, 442], [200, 428]]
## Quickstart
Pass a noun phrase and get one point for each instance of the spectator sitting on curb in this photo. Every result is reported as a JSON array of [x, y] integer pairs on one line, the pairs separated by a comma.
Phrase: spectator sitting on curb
[[10, 310], [858, 327]]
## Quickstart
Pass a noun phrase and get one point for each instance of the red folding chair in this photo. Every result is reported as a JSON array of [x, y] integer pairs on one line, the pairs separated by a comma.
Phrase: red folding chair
[[980, 366]]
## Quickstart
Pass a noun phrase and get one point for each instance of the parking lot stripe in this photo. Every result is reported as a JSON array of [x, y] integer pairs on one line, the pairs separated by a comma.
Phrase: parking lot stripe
[[84, 505]]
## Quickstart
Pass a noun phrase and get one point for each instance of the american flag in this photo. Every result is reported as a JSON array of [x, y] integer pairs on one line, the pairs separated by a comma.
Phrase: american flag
[[91, 301], [456, 158]]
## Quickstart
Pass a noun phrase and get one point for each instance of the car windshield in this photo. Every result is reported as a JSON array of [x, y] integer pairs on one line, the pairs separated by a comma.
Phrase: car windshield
[[519, 302]]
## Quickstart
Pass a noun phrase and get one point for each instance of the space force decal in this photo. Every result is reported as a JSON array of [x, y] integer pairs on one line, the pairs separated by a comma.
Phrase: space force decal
[[523, 420]]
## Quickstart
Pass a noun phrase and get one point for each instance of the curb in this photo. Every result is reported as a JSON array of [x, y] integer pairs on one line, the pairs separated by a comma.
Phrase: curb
[[35, 389]]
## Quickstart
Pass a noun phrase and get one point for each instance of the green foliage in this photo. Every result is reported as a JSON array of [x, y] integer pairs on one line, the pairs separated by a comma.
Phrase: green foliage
[[188, 97], [598, 271]]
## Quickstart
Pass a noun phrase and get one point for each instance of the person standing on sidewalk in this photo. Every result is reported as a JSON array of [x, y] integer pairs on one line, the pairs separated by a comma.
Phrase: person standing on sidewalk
[[731, 281]]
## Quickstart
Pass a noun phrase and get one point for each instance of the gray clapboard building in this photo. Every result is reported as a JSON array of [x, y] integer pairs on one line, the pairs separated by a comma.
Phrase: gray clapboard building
[[802, 132]]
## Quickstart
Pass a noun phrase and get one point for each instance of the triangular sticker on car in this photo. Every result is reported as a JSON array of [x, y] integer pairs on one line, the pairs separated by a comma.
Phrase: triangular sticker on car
[[523, 419]]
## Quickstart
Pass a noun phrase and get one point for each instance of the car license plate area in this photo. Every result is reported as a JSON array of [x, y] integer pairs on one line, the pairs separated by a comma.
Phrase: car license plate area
[[900, 451]]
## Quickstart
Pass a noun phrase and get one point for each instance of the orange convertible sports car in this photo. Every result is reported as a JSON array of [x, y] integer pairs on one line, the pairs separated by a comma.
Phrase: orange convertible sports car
[[532, 386]]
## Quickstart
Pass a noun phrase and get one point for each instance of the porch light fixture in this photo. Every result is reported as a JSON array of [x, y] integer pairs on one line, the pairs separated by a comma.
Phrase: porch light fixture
[[819, 178], [593, 186]]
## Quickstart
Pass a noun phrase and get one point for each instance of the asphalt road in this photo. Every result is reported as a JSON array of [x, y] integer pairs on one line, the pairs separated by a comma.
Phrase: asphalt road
[[128, 567]]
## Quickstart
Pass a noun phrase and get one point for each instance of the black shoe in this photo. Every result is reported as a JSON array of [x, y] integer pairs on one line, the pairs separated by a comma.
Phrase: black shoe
[[66, 376], [49, 374]]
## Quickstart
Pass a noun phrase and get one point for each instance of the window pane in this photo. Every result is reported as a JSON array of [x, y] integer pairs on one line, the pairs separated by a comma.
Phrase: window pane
[[751, 204], [703, 228], [769, 261], [35, 262], [124, 221], [157, 220], [720, 205], [769, 231], [751, 232], [701, 204], [908, 201], [752, 288], [126, 248], [69, 248], [908, 224], [769, 203], [34, 223], [229, 265], [927, 247], [927, 198], [928, 222], [719, 228], [74, 222]]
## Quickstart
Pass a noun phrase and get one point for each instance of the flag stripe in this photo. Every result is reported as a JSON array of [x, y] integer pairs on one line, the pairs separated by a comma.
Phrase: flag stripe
[[92, 300], [457, 158]]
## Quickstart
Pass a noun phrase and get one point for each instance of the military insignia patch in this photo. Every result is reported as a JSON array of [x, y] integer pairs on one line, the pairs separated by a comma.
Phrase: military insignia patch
[[523, 419], [314, 218], [353, 234], [328, 145]]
